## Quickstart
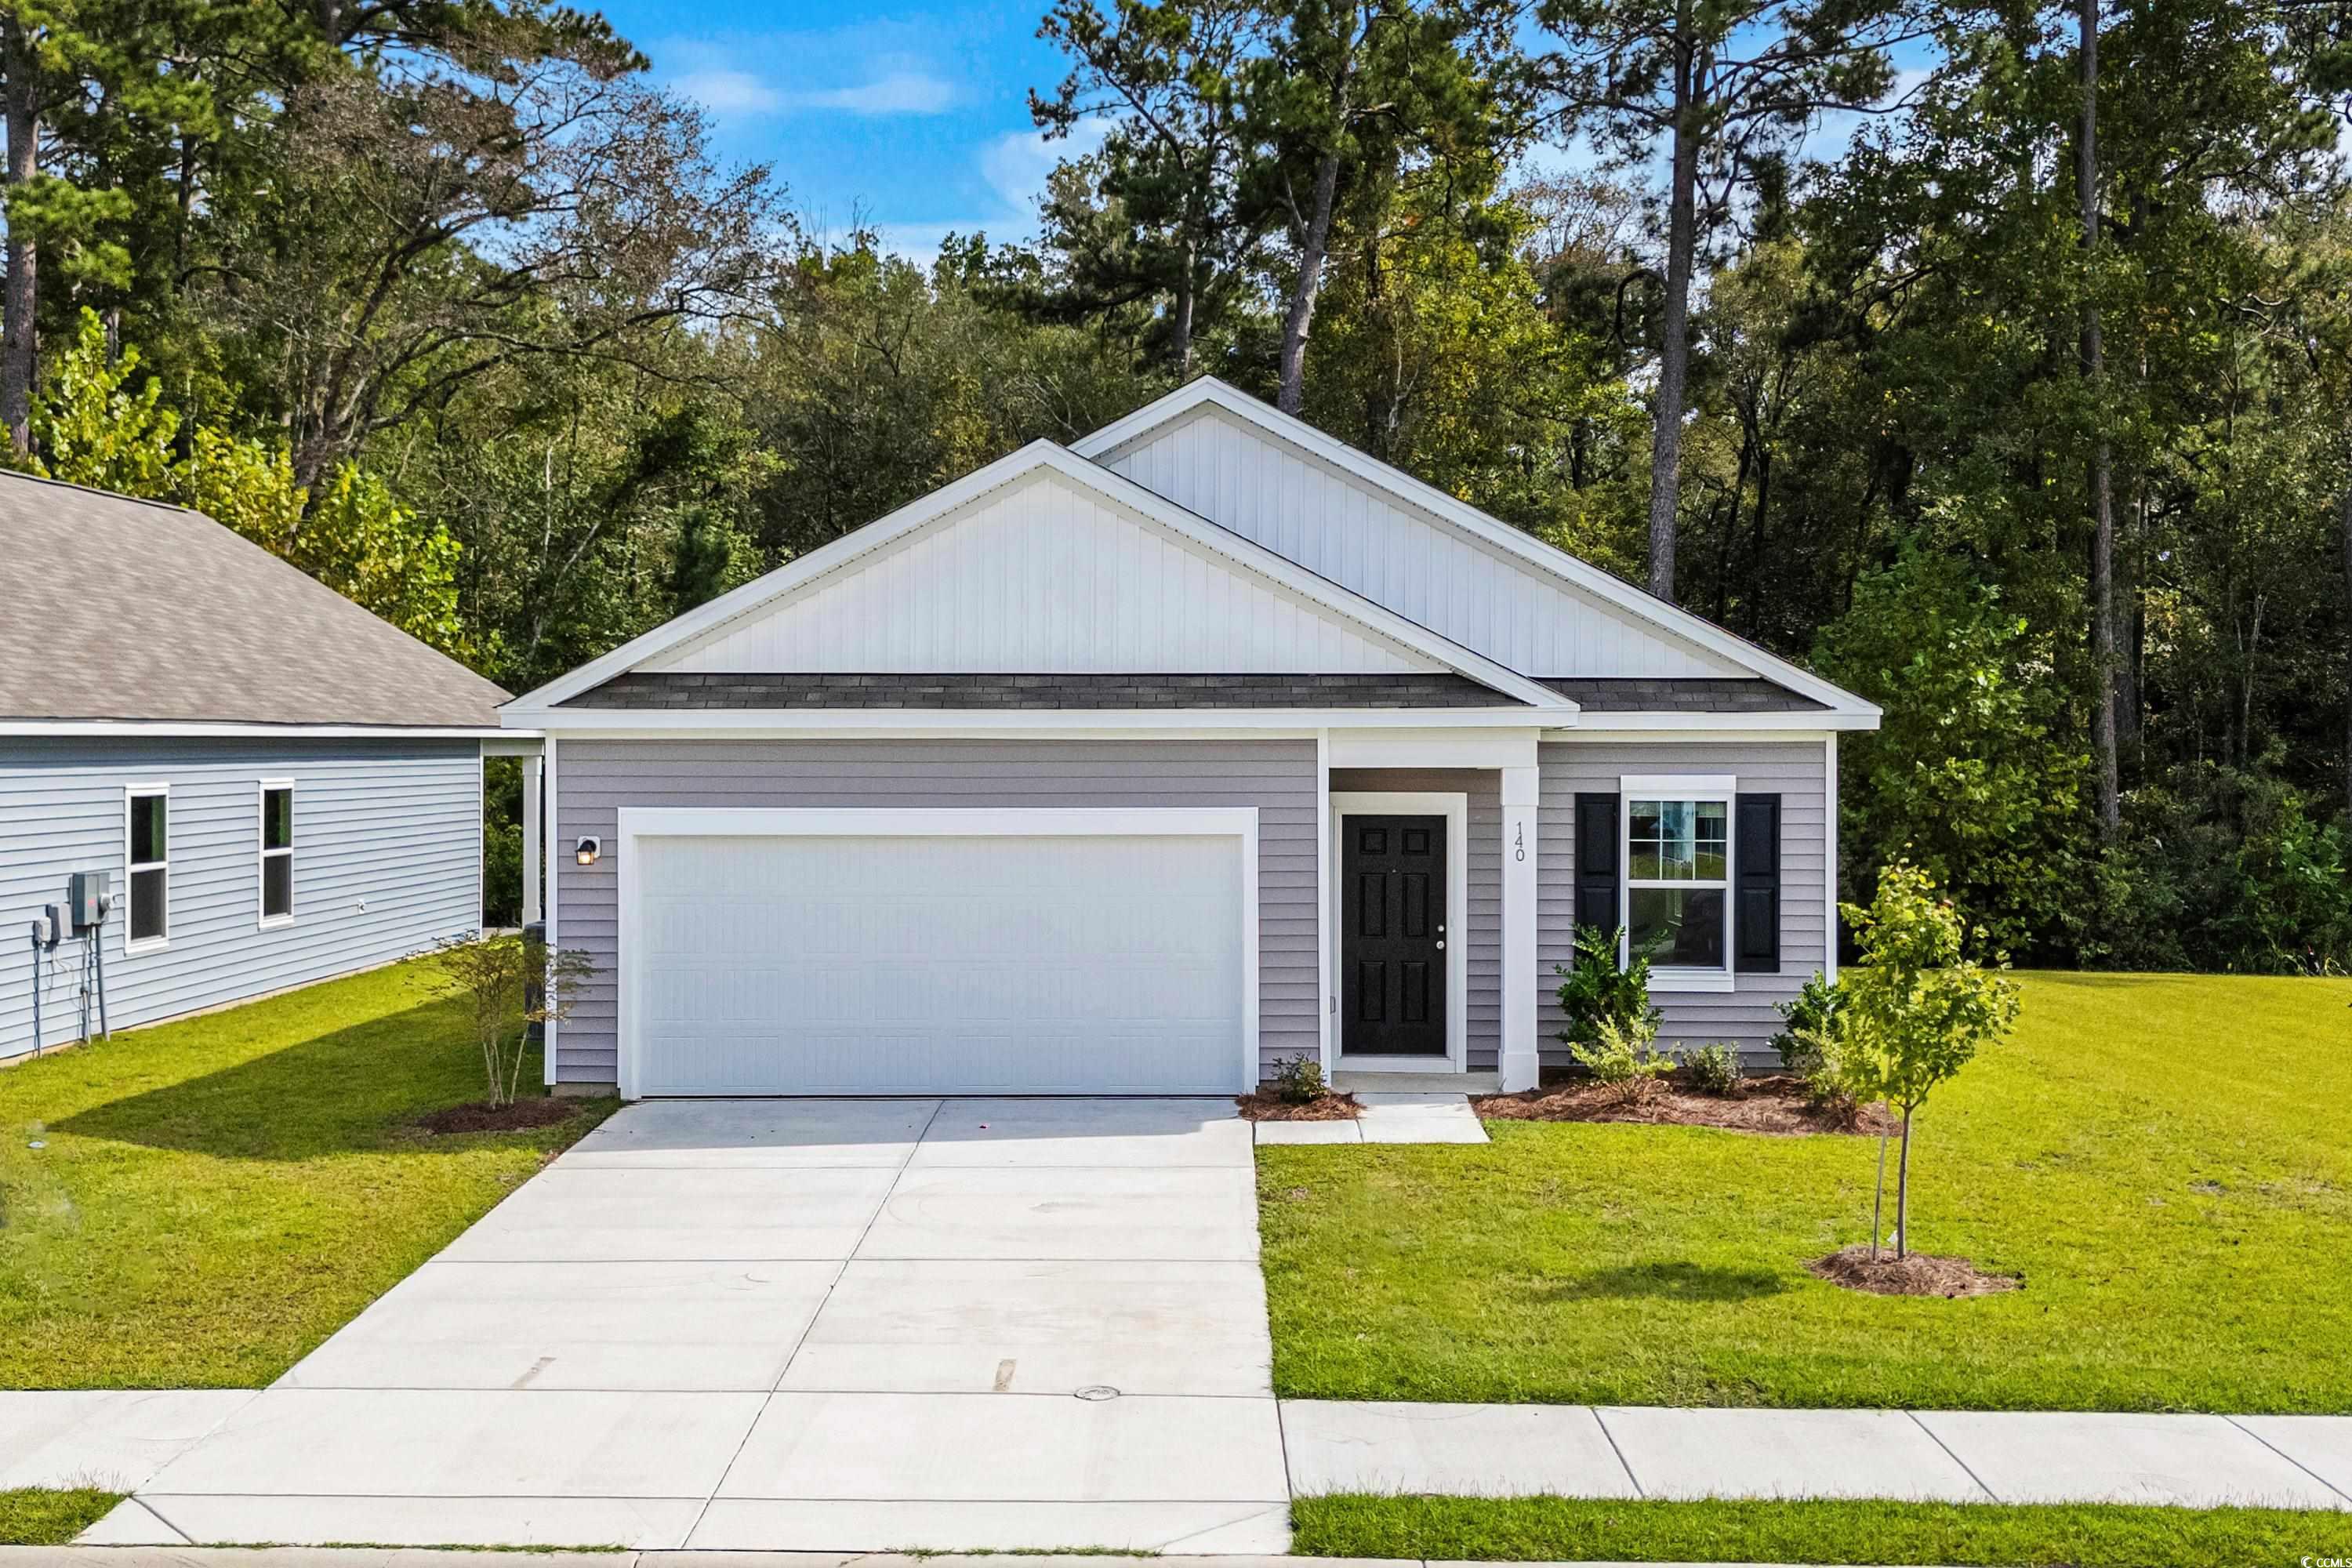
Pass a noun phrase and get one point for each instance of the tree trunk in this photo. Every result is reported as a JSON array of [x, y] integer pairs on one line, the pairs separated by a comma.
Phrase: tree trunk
[[20, 104], [1312, 243], [2103, 516], [1180, 326], [1903, 1192], [1674, 349], [2347, 650]]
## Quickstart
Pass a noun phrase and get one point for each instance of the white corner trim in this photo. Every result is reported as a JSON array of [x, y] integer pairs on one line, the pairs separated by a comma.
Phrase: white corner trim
[[1830, 860], [635, 823], [551, 876], [1043, 455], [1454, 806], [1326, 997], [1207, 390]]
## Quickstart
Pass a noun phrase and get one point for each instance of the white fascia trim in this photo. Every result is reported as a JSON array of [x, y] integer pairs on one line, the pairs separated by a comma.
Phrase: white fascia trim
[[1287, 575], [1813, 731], [173, 728], [614, 723], [1809, 724], [1209, 390]]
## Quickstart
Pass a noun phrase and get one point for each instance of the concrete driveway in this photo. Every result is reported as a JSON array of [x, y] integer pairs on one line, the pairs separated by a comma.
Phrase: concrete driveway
[[833, 1325]]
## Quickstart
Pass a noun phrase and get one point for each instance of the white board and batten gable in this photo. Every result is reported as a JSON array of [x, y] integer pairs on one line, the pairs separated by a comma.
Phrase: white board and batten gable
[[1042, 575], [1040, 564], [1376, 543]]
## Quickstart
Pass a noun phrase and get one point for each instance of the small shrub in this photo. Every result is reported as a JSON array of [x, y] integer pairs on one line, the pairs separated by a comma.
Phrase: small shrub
[[1298, 1080], [1713, 1069], [1623, 1058], [510, 980], [1594, 991], [1810, 1015]]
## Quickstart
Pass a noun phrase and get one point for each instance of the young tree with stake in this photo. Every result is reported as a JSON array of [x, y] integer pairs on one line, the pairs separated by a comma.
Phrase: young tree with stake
[[1916, 1011]]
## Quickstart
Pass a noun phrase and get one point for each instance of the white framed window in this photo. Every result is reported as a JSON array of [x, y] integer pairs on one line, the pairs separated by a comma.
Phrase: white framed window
[[277, 860], [1678, 877], [147, 866]]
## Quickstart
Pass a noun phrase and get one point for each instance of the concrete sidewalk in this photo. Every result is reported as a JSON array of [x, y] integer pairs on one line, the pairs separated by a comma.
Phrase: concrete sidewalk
[[427, 1557], [1575, 1450]]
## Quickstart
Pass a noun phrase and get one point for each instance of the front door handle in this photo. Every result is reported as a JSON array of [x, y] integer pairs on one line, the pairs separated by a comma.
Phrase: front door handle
[[1441, 944]]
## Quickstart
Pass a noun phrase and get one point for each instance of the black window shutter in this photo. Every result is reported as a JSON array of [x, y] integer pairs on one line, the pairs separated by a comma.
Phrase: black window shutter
[[1596, 861], [1756, 917]]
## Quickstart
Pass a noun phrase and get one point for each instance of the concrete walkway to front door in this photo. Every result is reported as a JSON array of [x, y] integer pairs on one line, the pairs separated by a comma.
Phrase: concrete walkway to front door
[[830, 1325]]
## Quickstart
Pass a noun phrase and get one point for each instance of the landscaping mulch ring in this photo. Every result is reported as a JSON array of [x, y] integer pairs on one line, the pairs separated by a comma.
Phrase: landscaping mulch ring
[[520, 1116], [1776, 1105], [1920, 1274], [1264, 1105]]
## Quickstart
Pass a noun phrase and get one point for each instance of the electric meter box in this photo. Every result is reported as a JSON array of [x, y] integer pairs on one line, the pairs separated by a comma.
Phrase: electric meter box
[[86, 899]]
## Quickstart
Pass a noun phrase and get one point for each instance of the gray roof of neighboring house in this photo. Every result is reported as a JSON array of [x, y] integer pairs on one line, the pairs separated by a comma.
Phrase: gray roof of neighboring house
[[124, 609], [1680, 694], [658, 690]]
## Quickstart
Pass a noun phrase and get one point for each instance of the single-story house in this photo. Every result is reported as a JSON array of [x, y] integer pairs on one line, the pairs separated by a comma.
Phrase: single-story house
[[1143, 764], [278, 786]]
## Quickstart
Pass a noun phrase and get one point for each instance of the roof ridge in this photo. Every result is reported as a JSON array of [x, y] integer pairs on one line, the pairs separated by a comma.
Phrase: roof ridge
[[55, 483]]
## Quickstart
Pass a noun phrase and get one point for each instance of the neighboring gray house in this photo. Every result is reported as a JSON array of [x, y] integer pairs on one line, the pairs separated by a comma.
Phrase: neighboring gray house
[[280, 787], [1143, 764]]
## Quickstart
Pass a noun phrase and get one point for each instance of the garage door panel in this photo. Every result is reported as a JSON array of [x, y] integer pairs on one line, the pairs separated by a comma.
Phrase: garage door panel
[[939, 964]]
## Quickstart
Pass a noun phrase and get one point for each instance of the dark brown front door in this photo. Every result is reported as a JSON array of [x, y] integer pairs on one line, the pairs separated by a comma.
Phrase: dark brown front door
[[1393, 936]]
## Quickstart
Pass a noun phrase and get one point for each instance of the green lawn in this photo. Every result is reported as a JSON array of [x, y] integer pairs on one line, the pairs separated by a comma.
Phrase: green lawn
[[1567, 1530], [37, 1517], [212, 1198], [2165, 1159]]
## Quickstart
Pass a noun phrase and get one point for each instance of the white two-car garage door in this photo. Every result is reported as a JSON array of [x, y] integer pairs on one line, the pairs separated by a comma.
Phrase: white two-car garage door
[[938, 952]]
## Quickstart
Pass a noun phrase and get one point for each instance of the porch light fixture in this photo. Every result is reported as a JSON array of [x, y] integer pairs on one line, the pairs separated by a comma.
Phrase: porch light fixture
[[588, 851]]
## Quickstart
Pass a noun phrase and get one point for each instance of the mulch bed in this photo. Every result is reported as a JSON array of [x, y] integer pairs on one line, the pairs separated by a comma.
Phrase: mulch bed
[[1262, 1105], [522, 1115], [1777, 1106], [1921, 1274]]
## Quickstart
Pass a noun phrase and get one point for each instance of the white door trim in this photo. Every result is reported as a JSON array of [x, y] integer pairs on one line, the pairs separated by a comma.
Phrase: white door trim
[[1454, 806], [1239, 823]]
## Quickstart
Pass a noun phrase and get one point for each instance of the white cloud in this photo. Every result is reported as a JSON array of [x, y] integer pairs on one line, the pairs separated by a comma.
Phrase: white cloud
[[901, 92], [1015, 164], [742, 83], [726, 91]]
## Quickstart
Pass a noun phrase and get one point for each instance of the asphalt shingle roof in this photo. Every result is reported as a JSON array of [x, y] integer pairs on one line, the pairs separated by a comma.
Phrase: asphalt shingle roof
[[661, 690], [1680, 694], [122, 609]]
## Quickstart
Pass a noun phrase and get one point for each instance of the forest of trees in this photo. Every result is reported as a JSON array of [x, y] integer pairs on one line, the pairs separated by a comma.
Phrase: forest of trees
[[1994, 360]]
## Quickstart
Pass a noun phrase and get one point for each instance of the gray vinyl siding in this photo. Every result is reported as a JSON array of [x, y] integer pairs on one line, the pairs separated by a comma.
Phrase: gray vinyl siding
[[594, 779], [1745, 1016], [1482, 922], [387, 860]]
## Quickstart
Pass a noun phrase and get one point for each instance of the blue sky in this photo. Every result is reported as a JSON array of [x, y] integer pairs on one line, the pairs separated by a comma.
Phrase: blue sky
[[914, 120]]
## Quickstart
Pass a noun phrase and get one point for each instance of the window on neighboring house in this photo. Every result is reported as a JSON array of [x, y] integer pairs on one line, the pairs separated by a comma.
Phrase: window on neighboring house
[[148, 827], [1678, 873], [277, 852]]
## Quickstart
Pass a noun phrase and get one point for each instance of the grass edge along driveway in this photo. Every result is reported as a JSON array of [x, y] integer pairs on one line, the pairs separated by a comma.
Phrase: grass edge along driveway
[[197, 1204], [2155, 1155]]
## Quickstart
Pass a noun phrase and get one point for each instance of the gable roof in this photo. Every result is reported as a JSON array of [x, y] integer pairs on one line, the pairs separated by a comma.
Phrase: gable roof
[[854, 551], [133, 611], [1207, 392]]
